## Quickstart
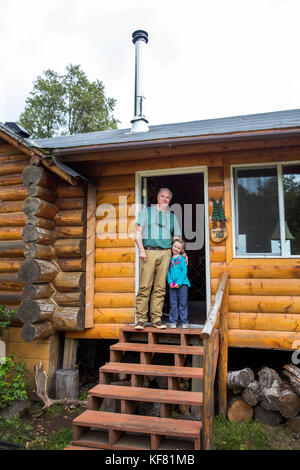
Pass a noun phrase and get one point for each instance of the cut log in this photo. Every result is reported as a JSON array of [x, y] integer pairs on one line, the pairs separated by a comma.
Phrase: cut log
[[289, 402], [40, 208], [69, 282], [38, 291], [239, 410], [37, 331], [70, 218], [250, 393], [69, 318], [35, 250], [69, 248], [240, 378], [36, 176], [40, 222], [67, 383], [12, 249], [42, 193], [270, 389], [33, 311], [294, 424], [69, 299], [271, 418], [39, 271], [292, 372], [38, 235]]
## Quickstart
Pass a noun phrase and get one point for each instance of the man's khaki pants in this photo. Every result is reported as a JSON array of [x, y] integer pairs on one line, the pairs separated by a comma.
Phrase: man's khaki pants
[[153, 272]]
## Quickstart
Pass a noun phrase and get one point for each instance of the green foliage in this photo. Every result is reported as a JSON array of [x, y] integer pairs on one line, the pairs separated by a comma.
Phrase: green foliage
[[59, 440], [67, 104], [5, 319], [243, 435], [12, 381], [15, 430]]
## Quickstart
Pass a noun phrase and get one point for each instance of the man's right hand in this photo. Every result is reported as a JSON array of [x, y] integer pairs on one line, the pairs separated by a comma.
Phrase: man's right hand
[[143, 255]]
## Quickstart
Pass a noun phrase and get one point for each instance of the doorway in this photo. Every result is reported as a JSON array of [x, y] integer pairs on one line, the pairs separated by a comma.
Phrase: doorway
[[189, 204]]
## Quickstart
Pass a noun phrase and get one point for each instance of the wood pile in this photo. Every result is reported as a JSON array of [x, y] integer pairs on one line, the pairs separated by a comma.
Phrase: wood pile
[[269, 397]]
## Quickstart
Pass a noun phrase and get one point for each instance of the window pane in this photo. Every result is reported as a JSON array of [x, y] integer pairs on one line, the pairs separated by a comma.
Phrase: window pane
[[258, 214], [291, 188]]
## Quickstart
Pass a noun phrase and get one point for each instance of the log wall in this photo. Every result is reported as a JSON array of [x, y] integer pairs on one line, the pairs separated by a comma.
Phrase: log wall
[[264, 294]]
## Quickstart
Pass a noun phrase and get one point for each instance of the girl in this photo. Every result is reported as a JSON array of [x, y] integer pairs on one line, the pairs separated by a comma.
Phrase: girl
[[179, 284]]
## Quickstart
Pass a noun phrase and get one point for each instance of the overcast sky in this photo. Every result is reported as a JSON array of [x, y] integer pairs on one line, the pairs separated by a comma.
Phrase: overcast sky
[[204, 59]]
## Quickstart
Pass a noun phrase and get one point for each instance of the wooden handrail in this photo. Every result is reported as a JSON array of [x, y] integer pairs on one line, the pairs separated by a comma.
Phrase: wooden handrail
[[219, 306]]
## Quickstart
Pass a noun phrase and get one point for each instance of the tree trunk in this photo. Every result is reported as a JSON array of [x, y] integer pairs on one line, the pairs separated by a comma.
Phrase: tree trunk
[[33, 311], [292, 372], [37, 331], [270, 393], [289, 403], [36, 176], [37, 235], [240, 379], [250, 394], [39, 271], [39, 207]]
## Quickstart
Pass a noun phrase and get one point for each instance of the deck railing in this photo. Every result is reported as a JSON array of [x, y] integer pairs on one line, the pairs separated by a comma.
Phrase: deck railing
[[219, 309]]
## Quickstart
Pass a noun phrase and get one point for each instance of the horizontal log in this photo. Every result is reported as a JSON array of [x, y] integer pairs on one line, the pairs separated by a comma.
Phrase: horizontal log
[[70, 232], [261, 286], [37, 271], [10, 180], [115, 284], [40, 222], [115, 182], [42, 193], [262, 339], [69, 282], [36, 250], [68, 248], [11, 233], [37, 176], [38, 291], [10, 282], [15, 219], [70, 299], [13, 167], [70, 217], [71, 265], [33, 311], [264, 321], [115, 255], [115, 242], [37, 331], [108, 300], [12, 249], [99, 331], [11, 206], [114, 315], [114, 270], [113, 197], [264, 304], [9, 298], [13, 193], [39, 207], [70, 203], [69, 318], [38, 235], [258, 271], [65, 190], [115, 210], [10, 265]]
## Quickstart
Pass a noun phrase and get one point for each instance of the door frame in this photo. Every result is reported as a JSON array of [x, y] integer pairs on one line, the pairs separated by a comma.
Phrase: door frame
[[138, 200]]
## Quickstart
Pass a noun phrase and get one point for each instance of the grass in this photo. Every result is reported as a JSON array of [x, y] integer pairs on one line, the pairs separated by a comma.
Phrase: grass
[[59, 440], [244, 435], [16, 431]]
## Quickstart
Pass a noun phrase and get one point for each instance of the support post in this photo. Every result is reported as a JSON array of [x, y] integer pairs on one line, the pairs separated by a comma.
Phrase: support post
[[223, 356], [208, 395], [70, 353]]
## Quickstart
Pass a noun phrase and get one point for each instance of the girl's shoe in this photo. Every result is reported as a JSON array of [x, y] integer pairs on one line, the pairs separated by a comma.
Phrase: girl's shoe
[[173, 325], [185, 325]]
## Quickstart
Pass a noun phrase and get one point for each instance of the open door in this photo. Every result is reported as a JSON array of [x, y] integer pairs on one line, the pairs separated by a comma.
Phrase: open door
[[188, 204]]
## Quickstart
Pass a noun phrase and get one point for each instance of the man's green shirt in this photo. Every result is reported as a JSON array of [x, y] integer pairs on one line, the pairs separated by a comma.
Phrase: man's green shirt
[[159, 227]]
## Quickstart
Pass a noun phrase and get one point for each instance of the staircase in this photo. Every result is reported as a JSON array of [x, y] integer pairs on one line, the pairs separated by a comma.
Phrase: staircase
[[127, 430]]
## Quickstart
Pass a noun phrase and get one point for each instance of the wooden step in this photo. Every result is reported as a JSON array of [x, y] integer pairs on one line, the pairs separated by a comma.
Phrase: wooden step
[[137, 371], [153, 335], [133, 394], [148, 431], [158, 348], [186, 331]]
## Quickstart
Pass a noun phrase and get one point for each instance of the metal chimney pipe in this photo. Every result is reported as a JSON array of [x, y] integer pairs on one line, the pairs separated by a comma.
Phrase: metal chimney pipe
[[139, 122]]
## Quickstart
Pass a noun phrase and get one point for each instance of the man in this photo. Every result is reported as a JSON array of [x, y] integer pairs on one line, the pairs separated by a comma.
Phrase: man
[[155, 229]]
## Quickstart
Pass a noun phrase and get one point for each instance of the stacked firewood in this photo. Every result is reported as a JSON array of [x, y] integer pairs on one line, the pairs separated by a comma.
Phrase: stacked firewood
[[249, 396]]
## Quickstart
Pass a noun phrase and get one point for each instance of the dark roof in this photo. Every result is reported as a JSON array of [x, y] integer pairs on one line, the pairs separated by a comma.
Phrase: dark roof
[[208, 127]]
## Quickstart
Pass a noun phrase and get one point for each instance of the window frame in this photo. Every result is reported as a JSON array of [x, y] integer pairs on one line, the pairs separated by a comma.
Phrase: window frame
[[234, 205]]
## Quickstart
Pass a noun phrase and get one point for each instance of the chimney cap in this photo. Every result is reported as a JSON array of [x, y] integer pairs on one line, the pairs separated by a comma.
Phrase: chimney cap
[[139, 34]]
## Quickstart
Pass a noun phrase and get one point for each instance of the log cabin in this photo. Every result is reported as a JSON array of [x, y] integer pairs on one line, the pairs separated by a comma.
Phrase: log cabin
[[69, 264]]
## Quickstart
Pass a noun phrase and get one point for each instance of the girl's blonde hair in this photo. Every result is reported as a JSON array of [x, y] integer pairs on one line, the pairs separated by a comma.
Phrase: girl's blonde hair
[[182, 242]]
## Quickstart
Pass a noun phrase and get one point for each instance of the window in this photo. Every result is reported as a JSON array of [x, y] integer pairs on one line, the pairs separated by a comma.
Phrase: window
[[267, 210]]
